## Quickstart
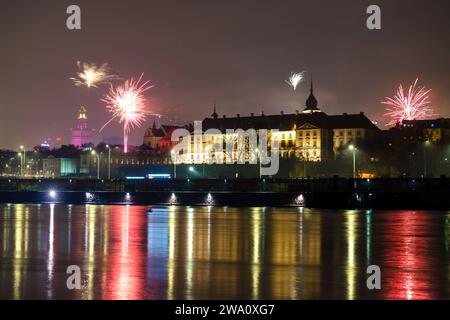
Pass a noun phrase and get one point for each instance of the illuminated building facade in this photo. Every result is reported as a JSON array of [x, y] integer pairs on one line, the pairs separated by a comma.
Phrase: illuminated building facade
[[59, 167], [156, 138], [349, 129], [81, 135], [120, 163], [435, 131]]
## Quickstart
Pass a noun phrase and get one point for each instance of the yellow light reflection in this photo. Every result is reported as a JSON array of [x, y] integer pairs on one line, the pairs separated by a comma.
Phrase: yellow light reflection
[[91, 251], [171, 260], [6, 230], [18, 251], [351, 236], [310, 251], [257, 242], [190, 251], [283, 235]]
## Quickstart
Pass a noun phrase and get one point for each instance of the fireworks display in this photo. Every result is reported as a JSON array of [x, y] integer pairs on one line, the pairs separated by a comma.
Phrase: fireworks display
[[127, 105], [413, 104], [295, 79], [91, 75]]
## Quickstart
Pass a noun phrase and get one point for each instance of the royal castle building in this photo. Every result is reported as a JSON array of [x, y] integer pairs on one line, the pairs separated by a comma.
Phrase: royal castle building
[[307, 135]]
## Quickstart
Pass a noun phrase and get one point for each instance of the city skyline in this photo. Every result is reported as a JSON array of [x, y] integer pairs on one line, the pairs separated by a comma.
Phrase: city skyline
[[226, 158], [254, 50]]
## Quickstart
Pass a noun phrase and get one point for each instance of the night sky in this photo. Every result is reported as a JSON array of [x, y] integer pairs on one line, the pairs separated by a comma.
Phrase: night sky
[[236, 54]]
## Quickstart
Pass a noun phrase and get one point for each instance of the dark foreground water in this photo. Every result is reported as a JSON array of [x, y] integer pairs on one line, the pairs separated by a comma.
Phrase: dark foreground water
[[125, 252]]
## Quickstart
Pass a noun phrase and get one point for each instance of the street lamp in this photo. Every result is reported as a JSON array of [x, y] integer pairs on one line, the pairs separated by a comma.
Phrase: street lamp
[[22, 160], [98, 163], [191, 170], [35, 161], [174, 160], [20, 166], [109, 161], [353, 148]]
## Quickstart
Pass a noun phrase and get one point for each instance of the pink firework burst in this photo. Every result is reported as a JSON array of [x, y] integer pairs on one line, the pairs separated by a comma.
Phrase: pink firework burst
[[127, 104], [415, 104]]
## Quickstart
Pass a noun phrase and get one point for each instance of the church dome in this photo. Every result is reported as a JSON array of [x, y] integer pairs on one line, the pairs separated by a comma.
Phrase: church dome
[[311, 103]]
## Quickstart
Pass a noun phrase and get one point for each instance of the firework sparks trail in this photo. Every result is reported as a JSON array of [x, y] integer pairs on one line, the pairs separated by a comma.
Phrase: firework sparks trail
[[91, 75], [127, 104], [295, 79], [414, 104]]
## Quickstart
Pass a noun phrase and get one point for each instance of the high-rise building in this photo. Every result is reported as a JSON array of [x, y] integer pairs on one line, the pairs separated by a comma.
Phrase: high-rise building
[[81, 135]]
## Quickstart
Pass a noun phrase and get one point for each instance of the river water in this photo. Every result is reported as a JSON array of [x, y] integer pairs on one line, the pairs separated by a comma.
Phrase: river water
[[128, 252]]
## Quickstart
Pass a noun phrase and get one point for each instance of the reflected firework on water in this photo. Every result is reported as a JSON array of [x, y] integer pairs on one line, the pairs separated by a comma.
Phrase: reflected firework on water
[[128, 252]]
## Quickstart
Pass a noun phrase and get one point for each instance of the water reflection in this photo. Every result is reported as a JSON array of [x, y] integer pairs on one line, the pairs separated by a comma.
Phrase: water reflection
[[127, 252], [410, 258], [351, 237]]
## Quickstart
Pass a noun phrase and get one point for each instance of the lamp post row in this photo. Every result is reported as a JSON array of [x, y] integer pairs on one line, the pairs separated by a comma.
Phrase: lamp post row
[[22, 155]]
